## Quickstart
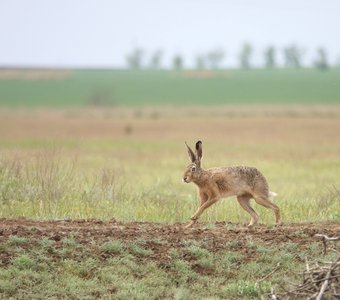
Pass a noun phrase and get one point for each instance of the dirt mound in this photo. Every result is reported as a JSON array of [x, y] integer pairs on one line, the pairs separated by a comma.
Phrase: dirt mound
[[160, 238]]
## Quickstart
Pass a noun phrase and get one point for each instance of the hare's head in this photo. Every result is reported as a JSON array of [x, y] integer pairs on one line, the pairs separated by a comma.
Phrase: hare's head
[[193, 171]]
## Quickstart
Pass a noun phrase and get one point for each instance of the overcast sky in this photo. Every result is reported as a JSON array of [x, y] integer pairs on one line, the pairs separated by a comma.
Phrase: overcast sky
[[100, 33]]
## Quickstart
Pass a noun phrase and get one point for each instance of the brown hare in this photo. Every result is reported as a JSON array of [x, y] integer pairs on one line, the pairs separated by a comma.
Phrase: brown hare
[[214, 183]]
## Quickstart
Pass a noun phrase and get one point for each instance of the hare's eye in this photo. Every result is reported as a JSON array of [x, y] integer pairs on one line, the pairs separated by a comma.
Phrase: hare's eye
[[193, 169]]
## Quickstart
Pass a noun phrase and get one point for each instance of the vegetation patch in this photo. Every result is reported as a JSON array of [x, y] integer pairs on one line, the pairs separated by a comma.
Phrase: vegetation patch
[[111, 259]]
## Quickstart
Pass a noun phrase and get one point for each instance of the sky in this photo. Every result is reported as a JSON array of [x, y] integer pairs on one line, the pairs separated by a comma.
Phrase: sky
[[100, 33]]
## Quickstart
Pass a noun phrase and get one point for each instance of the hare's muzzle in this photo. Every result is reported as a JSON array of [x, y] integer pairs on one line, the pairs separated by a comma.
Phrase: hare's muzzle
[[185, 179]]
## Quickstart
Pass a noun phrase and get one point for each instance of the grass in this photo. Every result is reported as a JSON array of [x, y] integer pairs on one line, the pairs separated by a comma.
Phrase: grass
[[137, 249], [35, 273], [17, 240], [127, 164], [52, 186], [119, 87], [114, 247]]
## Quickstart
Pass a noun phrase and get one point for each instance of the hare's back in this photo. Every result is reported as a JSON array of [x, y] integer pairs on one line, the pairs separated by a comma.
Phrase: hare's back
[[249, 174], [242, 176]]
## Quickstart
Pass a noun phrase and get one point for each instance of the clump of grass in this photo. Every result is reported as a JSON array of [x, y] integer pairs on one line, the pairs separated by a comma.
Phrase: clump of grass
[[17, 240], [206, 262], [46, 244], [173, 253], [233, 245], [70, 242], [85, 269], [290, 247], [23, 262], [183, 272], [230, 259], [136, 249], [181, 293], [204, 258], [132, 290], [245, 289], [180, 266], [198, 252], [251, 244], [113, 247]]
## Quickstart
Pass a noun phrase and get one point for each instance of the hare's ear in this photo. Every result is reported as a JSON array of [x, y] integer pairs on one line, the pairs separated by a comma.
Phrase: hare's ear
[[199, 151], [191, 153]]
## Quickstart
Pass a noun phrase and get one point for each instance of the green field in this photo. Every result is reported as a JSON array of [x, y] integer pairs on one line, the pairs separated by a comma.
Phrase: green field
[[62, 165], [92, 203], [122, 87]]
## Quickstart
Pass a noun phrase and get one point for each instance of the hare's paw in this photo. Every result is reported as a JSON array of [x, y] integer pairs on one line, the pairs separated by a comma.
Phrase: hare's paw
[[191, 223], [278, 224]]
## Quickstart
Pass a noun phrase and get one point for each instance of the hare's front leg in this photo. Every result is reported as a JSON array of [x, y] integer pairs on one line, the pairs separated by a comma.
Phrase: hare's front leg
[[206, 202], [203, 198]]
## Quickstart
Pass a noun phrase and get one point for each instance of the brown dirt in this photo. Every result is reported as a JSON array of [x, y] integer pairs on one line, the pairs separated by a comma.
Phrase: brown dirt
[[35, 74], [231, 125], [160, 238]]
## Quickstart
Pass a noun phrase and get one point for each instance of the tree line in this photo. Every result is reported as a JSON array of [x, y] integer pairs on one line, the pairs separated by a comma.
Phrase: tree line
[[214, 59]]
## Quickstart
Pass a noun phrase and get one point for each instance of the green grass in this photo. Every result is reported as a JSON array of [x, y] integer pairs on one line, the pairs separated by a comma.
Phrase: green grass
[[114, 247], [118, 87], [54, 186], [17, 240], [35, 273]]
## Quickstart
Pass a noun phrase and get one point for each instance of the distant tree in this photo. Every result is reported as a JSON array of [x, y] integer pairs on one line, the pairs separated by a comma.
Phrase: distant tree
[[200, 62], [177, 62], [215, 58], [155, 60], [135, 58], [270, 57], [245, 56], [321, 61], [293, 56]]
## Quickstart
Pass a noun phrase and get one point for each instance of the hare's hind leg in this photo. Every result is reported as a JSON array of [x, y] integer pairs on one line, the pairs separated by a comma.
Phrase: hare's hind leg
[[264, 201], [244, 201]]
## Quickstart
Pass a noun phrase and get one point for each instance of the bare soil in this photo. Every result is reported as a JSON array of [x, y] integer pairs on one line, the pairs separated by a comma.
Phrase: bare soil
[[160, 238]]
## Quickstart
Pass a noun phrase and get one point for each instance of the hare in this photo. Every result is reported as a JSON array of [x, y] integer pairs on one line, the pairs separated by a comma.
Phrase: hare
[[241, 181]]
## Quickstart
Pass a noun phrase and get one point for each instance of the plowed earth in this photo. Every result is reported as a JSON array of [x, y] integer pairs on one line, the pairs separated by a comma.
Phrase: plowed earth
[[160, 238]]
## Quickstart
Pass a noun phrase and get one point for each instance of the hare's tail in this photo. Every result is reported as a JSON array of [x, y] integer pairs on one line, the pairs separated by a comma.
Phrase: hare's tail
[[272, 194]]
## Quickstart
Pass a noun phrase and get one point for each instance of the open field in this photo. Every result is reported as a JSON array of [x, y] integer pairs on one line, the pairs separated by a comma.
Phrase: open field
[[105, 206], [60, 88], [92, 259], [125, 165]]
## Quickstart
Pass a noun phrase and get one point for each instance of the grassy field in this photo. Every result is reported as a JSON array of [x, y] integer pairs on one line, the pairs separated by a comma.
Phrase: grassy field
[[114, 260], [120, 87], [86, 164], [100, 187]]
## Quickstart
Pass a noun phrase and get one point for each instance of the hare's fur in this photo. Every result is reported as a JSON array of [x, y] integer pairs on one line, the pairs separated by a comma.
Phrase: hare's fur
[[214, 183]]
